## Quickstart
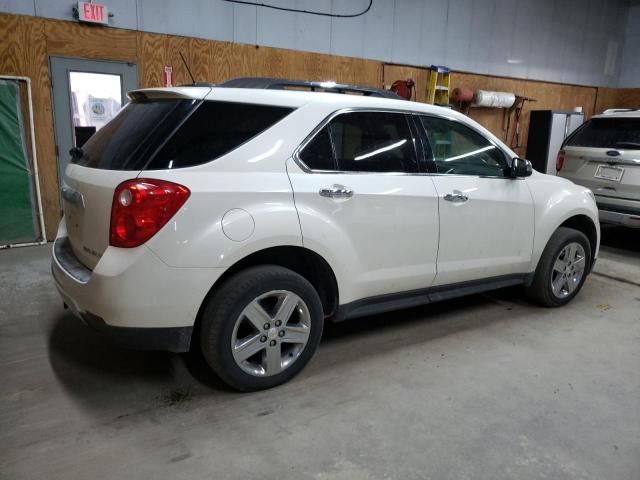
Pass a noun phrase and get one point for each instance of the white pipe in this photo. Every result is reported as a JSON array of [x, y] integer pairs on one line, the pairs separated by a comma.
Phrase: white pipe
[[35, 161]]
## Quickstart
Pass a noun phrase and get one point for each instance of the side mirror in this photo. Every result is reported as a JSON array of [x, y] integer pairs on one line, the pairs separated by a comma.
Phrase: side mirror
[[520, 168]]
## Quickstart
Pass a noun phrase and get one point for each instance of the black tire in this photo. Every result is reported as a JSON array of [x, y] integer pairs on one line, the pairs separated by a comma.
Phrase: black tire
[[223, 309], [540, 289]]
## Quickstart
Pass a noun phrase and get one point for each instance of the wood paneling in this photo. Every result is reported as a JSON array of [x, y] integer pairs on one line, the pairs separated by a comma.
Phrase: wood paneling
[[28, 41], [69, 39], [23, 53], [617, 98]]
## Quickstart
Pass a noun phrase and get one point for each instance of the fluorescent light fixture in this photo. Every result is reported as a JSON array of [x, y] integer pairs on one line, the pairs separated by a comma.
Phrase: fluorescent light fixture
[[380, 150]]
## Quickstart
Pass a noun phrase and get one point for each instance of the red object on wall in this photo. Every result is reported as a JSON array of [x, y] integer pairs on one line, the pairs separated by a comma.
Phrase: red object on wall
[[404, 88], [167, 76], [93, 13]]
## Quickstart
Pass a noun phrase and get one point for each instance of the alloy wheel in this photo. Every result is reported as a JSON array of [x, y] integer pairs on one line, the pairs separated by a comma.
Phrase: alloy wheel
[[568, 270], [271, 332]]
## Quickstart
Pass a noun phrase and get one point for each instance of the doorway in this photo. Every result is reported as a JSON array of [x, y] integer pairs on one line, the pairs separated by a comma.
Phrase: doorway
[[86, 95]]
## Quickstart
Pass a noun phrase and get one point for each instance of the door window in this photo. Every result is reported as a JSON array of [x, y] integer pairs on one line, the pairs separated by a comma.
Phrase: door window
[[318, 154], [363, 142], [458, 150]]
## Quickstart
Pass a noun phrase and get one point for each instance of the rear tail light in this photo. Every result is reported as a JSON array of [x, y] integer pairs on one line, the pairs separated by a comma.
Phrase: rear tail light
[[141, 207], [560, 160]]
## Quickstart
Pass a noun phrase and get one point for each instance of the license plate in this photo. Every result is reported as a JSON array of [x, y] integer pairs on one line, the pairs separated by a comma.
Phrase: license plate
[[609, 173]]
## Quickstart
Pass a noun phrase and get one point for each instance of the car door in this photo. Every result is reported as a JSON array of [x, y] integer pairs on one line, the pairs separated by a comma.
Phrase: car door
[[364, 205], [486, 217]]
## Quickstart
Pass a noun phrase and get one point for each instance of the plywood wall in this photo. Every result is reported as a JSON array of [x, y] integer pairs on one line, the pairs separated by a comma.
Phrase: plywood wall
[[27, 43], [617, 98]]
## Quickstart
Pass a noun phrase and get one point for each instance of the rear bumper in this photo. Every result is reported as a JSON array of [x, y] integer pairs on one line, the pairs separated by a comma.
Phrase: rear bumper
[[132, 297], [612, 214], [169, 339]]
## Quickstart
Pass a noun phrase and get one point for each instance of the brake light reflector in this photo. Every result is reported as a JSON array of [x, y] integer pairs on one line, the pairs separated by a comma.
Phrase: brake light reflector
[[560, 160], [141, 207]]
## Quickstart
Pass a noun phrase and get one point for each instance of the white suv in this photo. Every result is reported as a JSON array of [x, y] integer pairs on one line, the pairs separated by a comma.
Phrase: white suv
[[240, 219], [604, 155]]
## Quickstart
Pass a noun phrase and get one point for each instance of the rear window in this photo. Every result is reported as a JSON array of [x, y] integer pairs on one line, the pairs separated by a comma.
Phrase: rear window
[[214, 129], [155, 135], [608, 133], [128, 141]]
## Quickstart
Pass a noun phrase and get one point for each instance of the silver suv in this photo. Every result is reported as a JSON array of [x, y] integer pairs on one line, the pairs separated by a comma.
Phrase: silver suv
[[604, 156]]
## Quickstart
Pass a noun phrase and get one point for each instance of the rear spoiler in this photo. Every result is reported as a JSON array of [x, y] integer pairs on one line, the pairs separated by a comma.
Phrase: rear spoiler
[[181, 93]]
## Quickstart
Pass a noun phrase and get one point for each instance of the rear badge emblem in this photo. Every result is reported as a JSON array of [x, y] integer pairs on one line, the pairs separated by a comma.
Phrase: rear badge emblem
[[613, 153]]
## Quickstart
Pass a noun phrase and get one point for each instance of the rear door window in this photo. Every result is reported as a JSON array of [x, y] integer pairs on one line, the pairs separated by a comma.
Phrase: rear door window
[[318, 154], [608, 133], [363, 142]]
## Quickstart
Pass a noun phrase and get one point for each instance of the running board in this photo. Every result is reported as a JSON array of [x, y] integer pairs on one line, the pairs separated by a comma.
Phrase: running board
[[414, 298]]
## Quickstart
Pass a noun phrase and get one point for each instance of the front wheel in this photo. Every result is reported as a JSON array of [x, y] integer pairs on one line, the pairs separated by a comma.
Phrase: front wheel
[[562, 269], [261, 327]]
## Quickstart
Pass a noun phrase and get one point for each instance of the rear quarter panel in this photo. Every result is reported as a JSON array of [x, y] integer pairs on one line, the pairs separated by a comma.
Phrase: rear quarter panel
[[252, 181]]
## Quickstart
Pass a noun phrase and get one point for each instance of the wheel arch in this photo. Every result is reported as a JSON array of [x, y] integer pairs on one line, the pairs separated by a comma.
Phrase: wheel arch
[[301, 260], [586, 225]]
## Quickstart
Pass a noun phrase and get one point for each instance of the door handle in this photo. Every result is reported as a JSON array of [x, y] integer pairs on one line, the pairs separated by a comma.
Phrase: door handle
[[336, 191], [456, 197]]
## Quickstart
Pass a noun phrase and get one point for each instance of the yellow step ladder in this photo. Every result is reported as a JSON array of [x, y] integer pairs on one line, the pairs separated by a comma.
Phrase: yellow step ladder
[[439, 84]]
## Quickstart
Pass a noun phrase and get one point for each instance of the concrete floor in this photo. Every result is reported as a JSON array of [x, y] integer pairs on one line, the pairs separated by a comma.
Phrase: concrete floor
[[486, 387]]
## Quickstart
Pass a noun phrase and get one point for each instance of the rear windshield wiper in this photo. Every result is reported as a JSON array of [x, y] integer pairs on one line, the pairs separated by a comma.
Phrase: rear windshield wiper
[[76, 152], [628, 145]]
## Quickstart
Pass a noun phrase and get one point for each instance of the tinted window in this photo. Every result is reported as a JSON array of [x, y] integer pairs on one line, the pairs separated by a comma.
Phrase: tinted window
[[373, 142], [317, 154], [608, 133], [127, 141], [458, 150], [214, 129]]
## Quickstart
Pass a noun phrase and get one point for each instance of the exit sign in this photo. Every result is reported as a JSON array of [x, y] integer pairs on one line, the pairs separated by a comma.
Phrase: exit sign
[[93, 13]]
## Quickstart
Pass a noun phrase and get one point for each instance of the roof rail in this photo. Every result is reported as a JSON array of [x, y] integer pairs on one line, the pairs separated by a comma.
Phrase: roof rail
[[284, 84], [620, 110]]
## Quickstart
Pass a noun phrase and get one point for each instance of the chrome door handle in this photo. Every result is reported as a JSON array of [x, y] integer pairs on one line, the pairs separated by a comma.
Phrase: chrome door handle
[[336, 191], [456, 197]]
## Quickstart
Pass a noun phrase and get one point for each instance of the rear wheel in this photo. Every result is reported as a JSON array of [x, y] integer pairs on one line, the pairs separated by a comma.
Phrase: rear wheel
[[562, 269], [261, 327]]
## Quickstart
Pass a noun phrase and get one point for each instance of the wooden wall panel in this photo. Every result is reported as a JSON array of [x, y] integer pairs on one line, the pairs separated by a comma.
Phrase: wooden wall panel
[[627, 98], [151, 58], [23, 53], [617, 98], [69, 39], [213, 61]]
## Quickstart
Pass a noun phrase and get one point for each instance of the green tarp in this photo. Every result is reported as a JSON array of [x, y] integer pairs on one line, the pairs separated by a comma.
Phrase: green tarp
[[17, 215]]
